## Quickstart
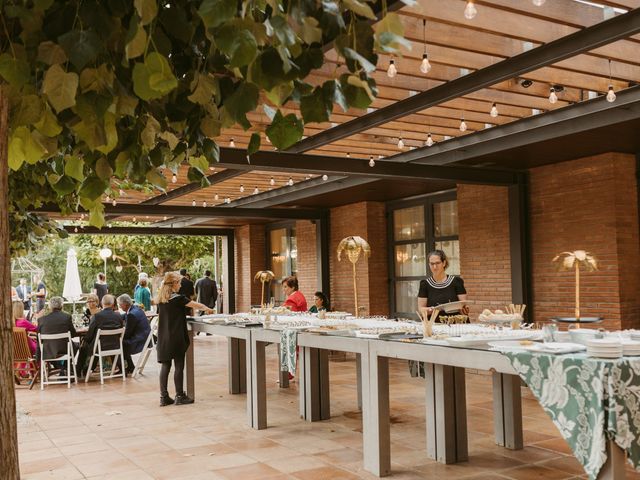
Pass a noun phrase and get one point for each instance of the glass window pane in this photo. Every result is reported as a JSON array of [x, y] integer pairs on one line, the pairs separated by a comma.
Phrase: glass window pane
[[445, 218], [452, 249], [411, 260], [408, 223], [294, 252], [279, 252], [407, 296]]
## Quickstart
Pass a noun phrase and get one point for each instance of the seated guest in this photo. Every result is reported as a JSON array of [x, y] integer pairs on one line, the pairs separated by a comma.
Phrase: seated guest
[[93, 307], [142, 296], [295, 299], [105, 319], [55, 322], [320, 303], [136, 330], [17, 308]]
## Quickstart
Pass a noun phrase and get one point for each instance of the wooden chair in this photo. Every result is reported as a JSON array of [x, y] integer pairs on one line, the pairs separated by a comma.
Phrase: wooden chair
[[23, 361]]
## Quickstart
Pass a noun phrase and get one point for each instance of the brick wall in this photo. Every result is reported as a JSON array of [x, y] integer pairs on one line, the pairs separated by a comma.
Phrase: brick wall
[[367, 220], [588, 204], [485, 261], [249, 258], [307, 259]]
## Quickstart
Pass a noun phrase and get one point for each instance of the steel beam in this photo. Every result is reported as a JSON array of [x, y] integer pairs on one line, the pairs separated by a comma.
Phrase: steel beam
[[221, 232], [192, 187], [608, 31]]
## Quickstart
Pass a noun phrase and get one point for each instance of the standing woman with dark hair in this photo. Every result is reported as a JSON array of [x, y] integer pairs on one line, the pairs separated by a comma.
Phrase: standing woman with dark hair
[[295, 299], [173, 336], [441, 288]]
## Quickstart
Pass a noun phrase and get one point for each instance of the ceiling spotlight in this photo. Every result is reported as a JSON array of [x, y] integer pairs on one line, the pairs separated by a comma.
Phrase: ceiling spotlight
[[272, 182], [538, 3], [392, 71], [232, 144], [400, 143], [553, 98], [494, 111], [470, 11], [463, 125], [525, 82], [256, 191], [429, 141], [204, 203], [174, 178], [372, 162], [290, 182], [325, 177], [241, 188]]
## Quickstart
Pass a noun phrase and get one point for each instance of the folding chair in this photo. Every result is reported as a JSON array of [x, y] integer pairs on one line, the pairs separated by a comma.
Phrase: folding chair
[[67, 357], [149, 345], [115, 353], [23, 360]]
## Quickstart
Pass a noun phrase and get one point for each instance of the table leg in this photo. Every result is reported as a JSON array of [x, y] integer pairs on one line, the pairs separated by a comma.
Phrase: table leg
[[359, 379], [507, 411], [614, 467], [376, 430], [283, 377], [313, 375], [237, 365], [257, 386], [446, 415], [189, 367]]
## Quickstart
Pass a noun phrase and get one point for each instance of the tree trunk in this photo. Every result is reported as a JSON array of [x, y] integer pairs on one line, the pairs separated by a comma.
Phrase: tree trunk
[[8, 424]]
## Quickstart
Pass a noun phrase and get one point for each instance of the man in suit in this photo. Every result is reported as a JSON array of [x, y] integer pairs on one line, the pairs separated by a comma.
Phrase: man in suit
[[105, 319], [55, 322], [207, 290], [24, 293], [186, 285], [40, 293], [136, 330]]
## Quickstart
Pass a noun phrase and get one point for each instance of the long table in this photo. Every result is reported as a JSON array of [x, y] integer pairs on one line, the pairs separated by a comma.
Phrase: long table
[[445, 366]]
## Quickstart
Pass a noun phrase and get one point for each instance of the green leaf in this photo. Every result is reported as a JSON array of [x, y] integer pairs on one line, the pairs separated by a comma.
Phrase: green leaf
[[126, 105], [81, 47], [51, 53], [240, 46], [93, 187], [311, 32], [96, 215], [200, 162], [217, 12], [24, 147], [90, 132], [65, 186], [147, 10], [242, 101], [285, 131], [280, 94], [332, 89], [254, 144], [211, 150], [210, 127], [364, 63], [137, 45], [103, 169], [48, 124], [170, 138], [204, 87], [156, 179], [316, 107], [148, 135], [390, 34], [96, 79], [283, 31], [360, 8], [122, 164], [16, 72], [28, 111], [74, 167], [60, 87], [358, 92], [153, 78], [111, 134]]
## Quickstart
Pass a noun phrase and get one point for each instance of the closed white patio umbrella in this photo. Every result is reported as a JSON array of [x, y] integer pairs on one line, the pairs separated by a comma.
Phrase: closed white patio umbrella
[[72, 288]]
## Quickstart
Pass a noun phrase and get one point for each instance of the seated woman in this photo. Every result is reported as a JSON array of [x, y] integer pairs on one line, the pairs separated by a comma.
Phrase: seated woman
[[93, 307], [320, 303], [295, 299], [17, 309]]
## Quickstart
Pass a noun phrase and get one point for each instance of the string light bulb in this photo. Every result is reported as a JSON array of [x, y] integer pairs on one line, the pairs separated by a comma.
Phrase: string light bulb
[[372, 162], [538, 3], [429, 141], [174, 178], [348, 155], [232, 144], [553, 97], [107, 199], [134, 219], [325, 177], [272, 182], [193, 203], [463, 125], [425, 66], [227, 200], [392, 71], [204, 203], [164, 218], [290, 182], [494, 110], [216, 197], [611, 95], [114, 203], [241, 188], [400, 143], [256, 191], [75, 230], [470, 11]]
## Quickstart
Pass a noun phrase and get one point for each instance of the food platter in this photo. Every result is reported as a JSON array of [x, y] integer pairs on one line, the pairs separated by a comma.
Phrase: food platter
[[580, 320], [453, 306]]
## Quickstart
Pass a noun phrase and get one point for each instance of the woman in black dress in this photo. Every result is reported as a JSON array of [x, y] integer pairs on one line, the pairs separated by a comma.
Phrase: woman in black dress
[[173, 337], [440, 288]]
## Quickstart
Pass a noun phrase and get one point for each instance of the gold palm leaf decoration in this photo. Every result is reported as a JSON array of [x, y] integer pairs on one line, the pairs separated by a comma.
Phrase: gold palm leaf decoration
[[264, 276], [574, 260], [354, 247]]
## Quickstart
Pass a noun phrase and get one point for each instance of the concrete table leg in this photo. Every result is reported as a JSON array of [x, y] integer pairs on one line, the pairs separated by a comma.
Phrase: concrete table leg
[[359, 379], [256, 386], [614, 467], [283, 377], [376, 430], [189, 367], [446, 414], [313, 375], [507, 411], [237, 365]]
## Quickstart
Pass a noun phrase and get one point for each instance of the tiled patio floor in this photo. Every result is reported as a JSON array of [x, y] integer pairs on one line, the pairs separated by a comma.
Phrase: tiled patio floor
[[118, 431]]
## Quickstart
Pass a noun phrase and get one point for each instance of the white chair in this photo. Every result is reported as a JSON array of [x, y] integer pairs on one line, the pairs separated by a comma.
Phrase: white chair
[[115, 353], [67, 357], [149, 345]]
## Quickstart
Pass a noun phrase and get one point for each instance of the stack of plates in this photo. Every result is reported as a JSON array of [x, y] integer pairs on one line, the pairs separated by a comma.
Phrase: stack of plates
[[635, 335], [630, 348], [604, 348]]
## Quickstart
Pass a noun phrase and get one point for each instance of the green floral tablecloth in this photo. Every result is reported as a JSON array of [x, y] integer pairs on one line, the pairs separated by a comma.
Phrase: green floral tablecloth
[[589, 400], [288, 344]]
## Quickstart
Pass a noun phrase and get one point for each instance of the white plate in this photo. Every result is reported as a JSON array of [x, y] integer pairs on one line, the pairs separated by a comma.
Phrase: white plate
[[559, 348], [473, 340], [511, 346]]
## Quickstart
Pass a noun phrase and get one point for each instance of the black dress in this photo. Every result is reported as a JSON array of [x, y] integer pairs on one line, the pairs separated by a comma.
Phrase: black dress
[[101, 290], [173, 337], [438, 293]]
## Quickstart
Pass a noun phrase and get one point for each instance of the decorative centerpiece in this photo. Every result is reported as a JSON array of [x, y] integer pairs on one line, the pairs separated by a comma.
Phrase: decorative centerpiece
[[573, 261], [264, 276], [354, 246]]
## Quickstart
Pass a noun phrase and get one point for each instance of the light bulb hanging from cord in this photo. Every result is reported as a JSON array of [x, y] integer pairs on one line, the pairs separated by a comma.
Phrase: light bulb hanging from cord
[[174, 178], [372, 162], [193, 203], [470, 11], [216, 197], [425, 66], [227, 200], [241, 188], [204, 203], [429, 141], [611, 95], [272, 182], [256, 191], [538, 3], [400, 143], [325, 177], [232, 144], [348, 155], [290, 182], [463, 125], [494, 110], [392, 70], [553, 98], [114, 203]]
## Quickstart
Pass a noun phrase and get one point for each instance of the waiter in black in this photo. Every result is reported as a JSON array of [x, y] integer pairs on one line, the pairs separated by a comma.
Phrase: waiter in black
[[207, 290]]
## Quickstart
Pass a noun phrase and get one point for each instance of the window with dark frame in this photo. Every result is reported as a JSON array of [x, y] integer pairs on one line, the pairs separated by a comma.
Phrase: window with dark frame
[[282, 255]]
